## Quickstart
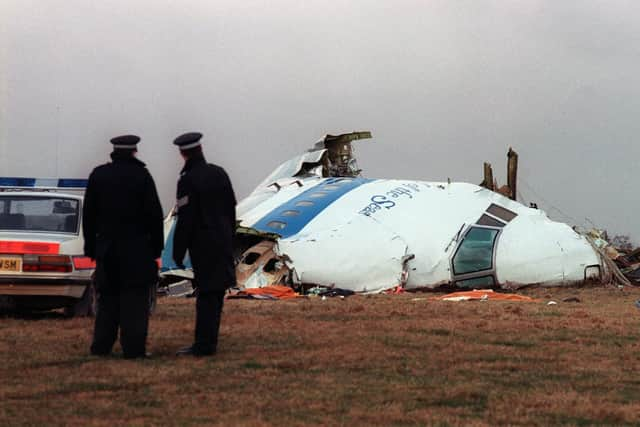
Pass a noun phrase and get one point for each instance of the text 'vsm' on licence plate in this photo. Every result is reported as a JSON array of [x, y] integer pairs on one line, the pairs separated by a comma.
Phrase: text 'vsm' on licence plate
[[10, 264]]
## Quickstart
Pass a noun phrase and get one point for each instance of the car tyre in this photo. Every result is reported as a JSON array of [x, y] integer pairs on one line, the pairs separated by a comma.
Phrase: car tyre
[[86, 305]]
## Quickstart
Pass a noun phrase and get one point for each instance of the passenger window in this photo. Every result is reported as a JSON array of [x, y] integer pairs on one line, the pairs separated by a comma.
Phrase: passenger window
[[304, 203], [290, 213], [318, 194], [342, 181], [330, 187], [277, 225], [476, 251]]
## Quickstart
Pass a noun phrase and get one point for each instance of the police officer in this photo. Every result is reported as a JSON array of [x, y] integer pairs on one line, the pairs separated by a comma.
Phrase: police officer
[[123, 232], [205, 227]]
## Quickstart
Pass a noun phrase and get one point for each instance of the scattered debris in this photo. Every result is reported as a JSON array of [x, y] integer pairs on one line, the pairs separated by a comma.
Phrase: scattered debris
[[260, 266], [395, 291], [272, 292], [181, 288], [340, 160], [333, 292], [483, 295], [571, 299], [623, 264], [509, 190], [315, 291]]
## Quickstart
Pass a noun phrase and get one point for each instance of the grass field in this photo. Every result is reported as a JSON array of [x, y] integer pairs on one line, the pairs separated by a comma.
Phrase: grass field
[[364, 360]]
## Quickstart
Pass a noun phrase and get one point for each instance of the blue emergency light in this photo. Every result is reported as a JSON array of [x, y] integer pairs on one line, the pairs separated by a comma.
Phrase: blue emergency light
[[72, 183], [18, 182]]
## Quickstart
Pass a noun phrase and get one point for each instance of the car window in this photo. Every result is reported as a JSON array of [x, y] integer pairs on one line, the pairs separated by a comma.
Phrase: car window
[[43, 214]]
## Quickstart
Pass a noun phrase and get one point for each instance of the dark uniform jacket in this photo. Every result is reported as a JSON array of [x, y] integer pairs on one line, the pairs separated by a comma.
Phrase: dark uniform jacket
[[122, 220], [206, 224]]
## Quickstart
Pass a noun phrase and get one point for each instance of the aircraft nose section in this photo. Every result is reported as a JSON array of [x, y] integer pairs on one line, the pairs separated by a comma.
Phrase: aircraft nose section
[[537, 250]]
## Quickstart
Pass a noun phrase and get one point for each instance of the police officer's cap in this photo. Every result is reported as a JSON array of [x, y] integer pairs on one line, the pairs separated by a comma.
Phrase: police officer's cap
[[188, 140], [125, 141]]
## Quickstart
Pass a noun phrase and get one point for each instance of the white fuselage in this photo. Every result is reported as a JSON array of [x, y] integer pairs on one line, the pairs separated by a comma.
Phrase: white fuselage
[[368, 235]]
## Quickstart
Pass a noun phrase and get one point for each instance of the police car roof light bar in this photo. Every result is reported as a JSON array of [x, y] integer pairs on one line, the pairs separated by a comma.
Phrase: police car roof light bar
[[43, 183]]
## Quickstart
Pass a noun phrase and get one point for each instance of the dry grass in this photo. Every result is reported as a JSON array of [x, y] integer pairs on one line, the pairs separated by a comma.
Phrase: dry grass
[[383, 360]]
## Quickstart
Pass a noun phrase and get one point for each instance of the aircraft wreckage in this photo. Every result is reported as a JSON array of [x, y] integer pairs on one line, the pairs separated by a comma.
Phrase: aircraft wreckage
[[316, 221]]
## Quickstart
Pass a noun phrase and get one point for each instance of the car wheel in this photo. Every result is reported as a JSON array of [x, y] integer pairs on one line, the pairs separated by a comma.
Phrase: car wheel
[[7, 304], [85, 306]]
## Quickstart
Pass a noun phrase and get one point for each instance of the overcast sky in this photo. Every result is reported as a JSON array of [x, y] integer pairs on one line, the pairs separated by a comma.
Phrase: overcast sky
[[443, 86]]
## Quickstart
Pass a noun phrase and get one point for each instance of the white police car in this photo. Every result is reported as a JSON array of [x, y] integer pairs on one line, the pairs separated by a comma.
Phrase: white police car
[[42, 265]]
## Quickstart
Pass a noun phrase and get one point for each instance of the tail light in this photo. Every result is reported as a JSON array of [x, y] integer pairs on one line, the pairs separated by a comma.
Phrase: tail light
[[47, 263], [16, 247], [83, 263]]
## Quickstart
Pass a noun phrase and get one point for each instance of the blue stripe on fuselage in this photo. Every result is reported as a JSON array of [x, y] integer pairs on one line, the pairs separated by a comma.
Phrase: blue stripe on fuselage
[[167, 253], [292, 216]]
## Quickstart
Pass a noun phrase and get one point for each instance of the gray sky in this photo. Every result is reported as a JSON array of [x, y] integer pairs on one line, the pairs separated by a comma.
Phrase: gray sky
[[443, 86]]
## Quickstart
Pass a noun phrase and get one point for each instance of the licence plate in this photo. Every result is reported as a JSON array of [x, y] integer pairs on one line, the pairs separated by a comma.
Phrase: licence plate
[[10, 264]]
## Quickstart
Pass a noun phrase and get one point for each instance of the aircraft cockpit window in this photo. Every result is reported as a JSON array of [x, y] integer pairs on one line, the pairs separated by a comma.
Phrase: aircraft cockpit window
[[290, 212], [477, 282], [304, 203], [277, 225], [317, 194], [475, 253], [502, 213], [490, 221]]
